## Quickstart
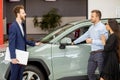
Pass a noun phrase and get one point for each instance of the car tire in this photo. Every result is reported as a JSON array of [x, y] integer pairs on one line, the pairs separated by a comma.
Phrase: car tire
[[33, 73]]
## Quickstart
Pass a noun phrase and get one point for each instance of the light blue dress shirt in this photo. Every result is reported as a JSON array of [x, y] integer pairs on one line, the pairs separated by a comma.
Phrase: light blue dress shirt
[[94, 32]]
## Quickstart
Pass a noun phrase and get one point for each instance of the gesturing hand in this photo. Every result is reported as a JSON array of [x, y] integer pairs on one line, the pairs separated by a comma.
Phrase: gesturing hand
[[72, 43], [38, 43], [89, 40]]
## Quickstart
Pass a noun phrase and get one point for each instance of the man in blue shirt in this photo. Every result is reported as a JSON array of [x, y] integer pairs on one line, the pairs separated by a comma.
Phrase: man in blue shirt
[[96, 36]]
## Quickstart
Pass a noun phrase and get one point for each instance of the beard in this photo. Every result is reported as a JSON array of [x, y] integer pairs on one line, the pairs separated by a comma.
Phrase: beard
[[23, 18]]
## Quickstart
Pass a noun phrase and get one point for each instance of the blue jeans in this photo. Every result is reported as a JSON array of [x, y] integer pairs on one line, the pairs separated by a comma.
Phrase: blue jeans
[[95, 60]]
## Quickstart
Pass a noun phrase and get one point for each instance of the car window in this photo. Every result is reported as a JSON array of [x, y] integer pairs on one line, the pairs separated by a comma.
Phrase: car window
[[55, 33], [77, 33]]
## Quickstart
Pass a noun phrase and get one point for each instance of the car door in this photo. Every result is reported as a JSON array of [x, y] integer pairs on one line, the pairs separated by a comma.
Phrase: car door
[[71, 61]]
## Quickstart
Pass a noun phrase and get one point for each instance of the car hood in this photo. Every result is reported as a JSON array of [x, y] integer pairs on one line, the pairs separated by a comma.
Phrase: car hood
[[39, 48]]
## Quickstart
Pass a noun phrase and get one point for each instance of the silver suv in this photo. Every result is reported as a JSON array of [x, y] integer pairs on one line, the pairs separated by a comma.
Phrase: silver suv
[[57, 59]]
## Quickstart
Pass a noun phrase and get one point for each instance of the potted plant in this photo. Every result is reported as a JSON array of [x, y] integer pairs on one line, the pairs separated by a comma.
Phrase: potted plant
[[49, 21]]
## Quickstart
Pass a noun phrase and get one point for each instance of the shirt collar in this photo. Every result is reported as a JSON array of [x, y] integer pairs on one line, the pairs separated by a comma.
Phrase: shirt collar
[[97, 23]]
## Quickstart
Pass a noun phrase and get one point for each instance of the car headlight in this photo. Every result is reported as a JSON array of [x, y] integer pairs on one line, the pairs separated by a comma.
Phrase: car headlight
[[2, 54]]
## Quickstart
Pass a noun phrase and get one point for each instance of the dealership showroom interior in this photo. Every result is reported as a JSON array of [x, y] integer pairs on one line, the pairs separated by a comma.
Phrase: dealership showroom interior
[[59, 40]]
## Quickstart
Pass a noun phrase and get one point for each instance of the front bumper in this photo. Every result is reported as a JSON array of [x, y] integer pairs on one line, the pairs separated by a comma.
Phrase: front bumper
[[4, 65]]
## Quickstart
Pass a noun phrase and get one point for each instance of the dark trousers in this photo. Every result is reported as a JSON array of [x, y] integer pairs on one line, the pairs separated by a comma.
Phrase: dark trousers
[[95, 60], [16, 71]]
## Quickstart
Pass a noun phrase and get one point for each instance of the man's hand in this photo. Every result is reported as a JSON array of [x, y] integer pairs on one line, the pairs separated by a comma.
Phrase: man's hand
[[101, 79], [72, 43], [15, 61], [38, 43], [89, 40]]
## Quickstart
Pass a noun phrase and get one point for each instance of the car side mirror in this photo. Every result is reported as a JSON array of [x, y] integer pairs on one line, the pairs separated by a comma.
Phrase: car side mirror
[[65, 41]]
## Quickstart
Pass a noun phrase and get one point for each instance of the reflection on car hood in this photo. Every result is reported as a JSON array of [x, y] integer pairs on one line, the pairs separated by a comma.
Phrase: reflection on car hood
[[37, 48]]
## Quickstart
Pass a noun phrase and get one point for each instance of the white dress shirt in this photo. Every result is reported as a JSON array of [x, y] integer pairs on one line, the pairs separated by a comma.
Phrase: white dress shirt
[[21, 28]]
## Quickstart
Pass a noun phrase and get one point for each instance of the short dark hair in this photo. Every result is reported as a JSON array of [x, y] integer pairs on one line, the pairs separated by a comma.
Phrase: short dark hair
[[98, 12], [17, 8]]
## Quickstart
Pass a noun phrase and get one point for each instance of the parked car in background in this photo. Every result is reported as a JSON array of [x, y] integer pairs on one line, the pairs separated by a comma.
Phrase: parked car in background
[[56, 58]]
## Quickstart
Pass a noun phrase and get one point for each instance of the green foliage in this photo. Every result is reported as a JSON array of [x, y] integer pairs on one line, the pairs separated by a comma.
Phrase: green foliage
[[35, 21], [49, 21]]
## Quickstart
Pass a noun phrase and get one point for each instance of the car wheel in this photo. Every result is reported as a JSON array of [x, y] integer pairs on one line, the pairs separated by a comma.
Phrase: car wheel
[[33, 73]]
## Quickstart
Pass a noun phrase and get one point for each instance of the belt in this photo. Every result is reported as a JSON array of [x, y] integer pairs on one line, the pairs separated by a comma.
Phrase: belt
[[98, 51]]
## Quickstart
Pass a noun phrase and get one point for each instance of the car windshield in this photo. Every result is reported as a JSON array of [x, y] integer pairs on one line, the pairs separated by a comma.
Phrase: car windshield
[[55, 33]]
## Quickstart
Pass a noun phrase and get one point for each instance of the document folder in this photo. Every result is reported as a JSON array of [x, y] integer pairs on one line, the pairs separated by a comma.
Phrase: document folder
[[21, 55]]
